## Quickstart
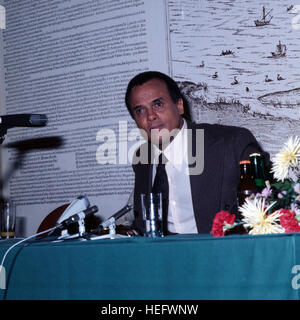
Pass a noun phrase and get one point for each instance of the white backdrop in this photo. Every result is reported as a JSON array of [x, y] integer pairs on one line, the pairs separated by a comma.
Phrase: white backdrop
[[72, 60]]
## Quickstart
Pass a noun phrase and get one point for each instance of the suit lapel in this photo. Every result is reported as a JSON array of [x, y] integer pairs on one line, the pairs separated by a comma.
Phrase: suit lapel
[[206, 187], [148, 170]]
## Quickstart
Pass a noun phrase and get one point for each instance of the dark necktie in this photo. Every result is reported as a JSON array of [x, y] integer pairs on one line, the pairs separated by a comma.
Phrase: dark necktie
[[161, 185]]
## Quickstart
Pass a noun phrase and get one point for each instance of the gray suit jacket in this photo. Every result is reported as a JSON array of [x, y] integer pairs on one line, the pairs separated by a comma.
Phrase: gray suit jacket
[[215, 188]]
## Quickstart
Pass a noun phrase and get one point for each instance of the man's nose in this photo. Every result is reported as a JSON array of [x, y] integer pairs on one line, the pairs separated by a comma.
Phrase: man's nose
[[151, 115]]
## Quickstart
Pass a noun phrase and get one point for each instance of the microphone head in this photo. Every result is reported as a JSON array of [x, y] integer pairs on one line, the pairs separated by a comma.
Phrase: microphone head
[[91, 210], [23, 120], [76, 206], [38, 120]]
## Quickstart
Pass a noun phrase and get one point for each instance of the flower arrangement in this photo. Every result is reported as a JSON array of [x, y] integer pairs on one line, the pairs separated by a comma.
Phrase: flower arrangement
[[275, 209]]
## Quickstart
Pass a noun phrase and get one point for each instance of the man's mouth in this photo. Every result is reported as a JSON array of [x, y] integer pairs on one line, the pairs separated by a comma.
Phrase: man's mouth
[[156, 126]]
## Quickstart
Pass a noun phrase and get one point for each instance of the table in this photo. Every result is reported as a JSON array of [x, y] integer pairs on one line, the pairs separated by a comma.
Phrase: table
[[180, 267]]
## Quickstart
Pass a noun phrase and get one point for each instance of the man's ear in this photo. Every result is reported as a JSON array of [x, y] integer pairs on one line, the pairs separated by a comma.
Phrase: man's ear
[[180, 106]]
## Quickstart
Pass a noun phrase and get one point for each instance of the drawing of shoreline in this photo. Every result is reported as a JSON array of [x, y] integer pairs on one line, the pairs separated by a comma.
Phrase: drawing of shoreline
[[279, 117], [234, 71]]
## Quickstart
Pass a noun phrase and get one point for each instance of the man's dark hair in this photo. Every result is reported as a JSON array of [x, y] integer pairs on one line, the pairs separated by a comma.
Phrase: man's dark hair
[[143, 77]]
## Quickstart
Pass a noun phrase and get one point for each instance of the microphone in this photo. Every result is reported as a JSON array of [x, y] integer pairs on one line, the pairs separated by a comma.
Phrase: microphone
[[114, 217], [81, 203], [81, 215], [23, 120]]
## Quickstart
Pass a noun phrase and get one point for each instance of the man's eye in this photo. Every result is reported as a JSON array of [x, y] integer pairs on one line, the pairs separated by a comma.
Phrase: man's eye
[[139, 111], [158, 105]]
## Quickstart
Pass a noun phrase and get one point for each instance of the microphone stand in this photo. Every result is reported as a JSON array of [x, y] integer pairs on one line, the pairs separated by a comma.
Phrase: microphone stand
[[111, 225], [82, 234], [79, 218], [111, 235]]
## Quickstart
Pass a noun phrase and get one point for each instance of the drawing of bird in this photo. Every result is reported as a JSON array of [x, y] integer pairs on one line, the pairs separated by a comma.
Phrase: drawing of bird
[[202, 64], [267, 79], [234, 81]]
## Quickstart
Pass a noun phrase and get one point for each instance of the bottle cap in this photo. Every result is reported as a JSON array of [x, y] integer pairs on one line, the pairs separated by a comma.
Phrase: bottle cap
[[254, 154], [245, 161]]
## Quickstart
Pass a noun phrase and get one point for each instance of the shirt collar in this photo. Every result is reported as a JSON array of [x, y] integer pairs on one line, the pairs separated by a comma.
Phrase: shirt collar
[[176, 151]]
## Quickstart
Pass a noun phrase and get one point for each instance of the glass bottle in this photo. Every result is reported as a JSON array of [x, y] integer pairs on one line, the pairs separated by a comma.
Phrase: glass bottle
[[246, 185], [258, 171], [245, 188]]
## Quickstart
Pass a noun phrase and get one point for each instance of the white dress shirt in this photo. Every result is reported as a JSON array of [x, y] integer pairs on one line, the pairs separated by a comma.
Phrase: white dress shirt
[[181, 217]]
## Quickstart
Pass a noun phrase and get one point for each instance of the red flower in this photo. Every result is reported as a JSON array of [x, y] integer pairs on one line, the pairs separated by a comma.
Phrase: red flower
[[288, 221], [218, 223]]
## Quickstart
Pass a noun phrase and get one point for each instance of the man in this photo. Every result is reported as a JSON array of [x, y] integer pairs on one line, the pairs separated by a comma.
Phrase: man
[[201, 160]]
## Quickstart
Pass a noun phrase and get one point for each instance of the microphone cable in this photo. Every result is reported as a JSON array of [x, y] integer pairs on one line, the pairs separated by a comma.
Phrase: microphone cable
[[17, 243]]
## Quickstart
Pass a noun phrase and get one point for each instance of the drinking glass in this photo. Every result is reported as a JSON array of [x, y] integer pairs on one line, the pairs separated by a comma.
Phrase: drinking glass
[[152, 214], [7, 219]]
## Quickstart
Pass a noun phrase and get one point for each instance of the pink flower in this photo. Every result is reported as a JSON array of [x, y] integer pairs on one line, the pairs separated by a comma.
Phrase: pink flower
[[295, 208], [297, 188], [266, 192], [218, 227]]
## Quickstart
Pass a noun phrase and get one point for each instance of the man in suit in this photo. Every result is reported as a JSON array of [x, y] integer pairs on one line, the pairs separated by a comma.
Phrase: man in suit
[[201, 160]]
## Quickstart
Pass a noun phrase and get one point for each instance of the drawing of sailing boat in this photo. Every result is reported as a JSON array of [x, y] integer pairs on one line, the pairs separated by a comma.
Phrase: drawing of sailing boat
[[280, 51], [265, 19]]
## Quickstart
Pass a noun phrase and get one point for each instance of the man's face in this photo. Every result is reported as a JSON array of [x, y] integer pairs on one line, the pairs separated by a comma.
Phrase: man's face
[[155, 112]]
